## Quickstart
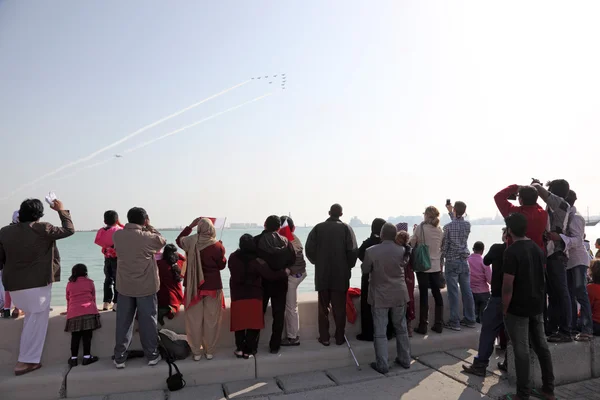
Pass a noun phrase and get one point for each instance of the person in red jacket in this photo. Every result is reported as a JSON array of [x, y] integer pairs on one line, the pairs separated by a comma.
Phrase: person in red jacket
[[170, 295], [537, 217]]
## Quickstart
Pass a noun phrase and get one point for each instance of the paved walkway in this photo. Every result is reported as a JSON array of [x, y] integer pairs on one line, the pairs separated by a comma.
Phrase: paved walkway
[[436, 376]]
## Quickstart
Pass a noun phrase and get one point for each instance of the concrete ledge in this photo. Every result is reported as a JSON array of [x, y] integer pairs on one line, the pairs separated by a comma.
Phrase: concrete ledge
[[572, 362], [43, 384]]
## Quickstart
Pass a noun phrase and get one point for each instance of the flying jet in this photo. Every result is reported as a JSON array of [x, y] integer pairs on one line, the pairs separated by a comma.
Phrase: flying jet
[[118, 156], [270, 83]]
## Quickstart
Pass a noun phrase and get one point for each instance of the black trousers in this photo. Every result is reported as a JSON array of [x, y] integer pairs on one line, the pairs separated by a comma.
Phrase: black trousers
[[429, 281], [276, 291], [366, 316], [110, 280], [87, 342], [246, 341]]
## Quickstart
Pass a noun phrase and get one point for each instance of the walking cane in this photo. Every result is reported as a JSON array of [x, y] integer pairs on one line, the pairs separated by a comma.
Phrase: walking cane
[[352, 352]]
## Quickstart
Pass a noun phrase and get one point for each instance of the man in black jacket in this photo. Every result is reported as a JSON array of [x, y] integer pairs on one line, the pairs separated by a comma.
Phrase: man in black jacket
[[279, 254], [331, 247]]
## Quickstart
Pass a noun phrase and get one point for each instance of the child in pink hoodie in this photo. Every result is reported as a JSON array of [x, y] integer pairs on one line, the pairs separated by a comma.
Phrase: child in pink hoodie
[[82, 314], [104, 239], [481, 277]]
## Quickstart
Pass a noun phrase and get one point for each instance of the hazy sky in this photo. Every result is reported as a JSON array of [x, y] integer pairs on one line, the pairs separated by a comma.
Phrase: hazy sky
[[389, 105]]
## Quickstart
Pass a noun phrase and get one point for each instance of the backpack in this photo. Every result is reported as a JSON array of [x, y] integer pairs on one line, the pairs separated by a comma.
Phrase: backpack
[[170, 351], [421, 260]]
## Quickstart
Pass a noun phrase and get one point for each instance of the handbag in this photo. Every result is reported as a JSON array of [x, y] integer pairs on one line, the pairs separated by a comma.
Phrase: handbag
[[175, 380], [422, 261]]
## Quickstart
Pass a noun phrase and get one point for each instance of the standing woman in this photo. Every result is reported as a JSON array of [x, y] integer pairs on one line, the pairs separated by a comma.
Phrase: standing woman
[[203, 286], [170, 295], [246, 289], [31, 264], [429, 233]]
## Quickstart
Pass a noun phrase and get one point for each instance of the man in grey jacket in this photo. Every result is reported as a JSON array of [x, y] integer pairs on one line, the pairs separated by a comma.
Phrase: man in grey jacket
[[388, 294], [331, 247]]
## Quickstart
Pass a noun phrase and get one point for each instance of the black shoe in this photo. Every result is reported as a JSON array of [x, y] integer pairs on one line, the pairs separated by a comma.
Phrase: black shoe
[[291, 342], [560, 337], [90, 360], [502, 366], [437, 328], [421, 329], [364, 338], [374, 366], [6, 314], [397, 362], [274, 351], [340, 342], [324, 342], [475, 370], [72, 362]]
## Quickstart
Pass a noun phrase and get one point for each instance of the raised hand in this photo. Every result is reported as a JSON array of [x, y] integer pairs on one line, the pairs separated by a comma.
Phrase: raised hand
[[57, 205], [195, 223]]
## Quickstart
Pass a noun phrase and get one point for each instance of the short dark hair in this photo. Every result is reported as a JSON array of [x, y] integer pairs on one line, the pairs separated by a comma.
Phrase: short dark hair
[[31, 210], [479, 246], [78, 271], [460, 208], [528, 195], [111, 217], [559, 187], [273, 223], [137, 215], [388, 231], [247, 243], [517, 224], [289, 221], [595, 271], [571, 198], [336, 210]]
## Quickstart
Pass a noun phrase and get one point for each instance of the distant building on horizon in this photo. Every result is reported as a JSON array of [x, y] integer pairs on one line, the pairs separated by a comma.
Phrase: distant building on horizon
[[243, 225]]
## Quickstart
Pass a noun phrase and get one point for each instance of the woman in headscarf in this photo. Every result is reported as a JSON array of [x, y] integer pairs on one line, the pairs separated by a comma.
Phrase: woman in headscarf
[[245, 284], [170, 295], [203, 286], [429, 233]]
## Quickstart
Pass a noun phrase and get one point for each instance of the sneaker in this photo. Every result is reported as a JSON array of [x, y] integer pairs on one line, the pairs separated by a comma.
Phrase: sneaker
[[152, 363], [87, 360], [477, 370], [198, 357], [397, 362], [72, 362], [560, 337], [238, 353], [447, 325], [291, 342], [374, 366], [468, 324], [119, 365], [209, 357]]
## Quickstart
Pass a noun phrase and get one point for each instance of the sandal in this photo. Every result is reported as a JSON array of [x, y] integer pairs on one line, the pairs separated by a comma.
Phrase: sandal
[[28, 369]]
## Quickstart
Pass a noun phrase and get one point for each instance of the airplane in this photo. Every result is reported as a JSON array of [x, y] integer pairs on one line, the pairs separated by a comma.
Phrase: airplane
[[118, 156], [270, 83], [274, 76]]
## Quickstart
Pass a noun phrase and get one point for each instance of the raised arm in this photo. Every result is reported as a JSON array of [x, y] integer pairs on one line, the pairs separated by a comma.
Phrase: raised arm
[[501, 198], [542, 192], [57, 232]]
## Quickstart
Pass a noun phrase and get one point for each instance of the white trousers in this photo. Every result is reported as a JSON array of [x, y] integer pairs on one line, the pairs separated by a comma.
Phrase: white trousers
[[292, 320], [35, 303]]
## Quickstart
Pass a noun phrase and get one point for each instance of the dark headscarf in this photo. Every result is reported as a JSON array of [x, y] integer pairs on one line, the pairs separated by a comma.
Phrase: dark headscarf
[[376, 226]]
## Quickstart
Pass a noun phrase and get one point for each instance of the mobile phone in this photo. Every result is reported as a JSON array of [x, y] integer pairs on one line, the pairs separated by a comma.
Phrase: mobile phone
[[50, 198], [448, 202]]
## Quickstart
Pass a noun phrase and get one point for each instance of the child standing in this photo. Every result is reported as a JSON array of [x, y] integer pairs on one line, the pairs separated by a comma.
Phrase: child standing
[[481, 277], [104, 239], [82, 314]]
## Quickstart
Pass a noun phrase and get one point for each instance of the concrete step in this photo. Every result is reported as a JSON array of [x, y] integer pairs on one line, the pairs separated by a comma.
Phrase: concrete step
[[43, 384]]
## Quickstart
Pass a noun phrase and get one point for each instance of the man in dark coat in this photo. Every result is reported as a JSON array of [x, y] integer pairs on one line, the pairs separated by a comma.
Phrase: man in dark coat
[[366, 317], [331, 247]]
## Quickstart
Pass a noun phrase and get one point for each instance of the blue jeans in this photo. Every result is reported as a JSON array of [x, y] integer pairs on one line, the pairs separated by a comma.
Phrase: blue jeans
[[457, 272], [380, 323], [577, 280], [559, 301], [492, 322]]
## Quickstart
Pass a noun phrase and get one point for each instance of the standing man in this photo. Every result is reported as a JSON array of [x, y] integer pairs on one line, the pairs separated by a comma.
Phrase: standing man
[[138, 284], [331, 247], [384, 264], [558, 326], [455, 252], [523, 299], [577, 267]]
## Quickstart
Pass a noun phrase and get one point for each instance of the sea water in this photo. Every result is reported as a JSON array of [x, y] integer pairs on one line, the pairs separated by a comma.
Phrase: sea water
[[80, 248]]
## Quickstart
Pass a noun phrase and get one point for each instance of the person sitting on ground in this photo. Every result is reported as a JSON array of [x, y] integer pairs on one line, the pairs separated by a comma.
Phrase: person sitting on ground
[[593, 290], [402, 239], [297, 275], [523, 296], [170, 295], [558, 326], [28, 253], [246, 291], [481, 277], [82, 314], [137, 283], [366, 317], [331, 247], [492, 320], [203, 286], [455, 253], [104, 239], [387, 291], [279, 254], [430, 234]]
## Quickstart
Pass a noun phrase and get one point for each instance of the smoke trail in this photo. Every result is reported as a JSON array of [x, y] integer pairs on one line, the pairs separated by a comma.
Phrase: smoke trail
[[166, 135], [118, 142]]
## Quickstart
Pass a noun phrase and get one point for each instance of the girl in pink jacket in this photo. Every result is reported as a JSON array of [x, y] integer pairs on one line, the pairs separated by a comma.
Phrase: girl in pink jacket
[[82, 314]]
